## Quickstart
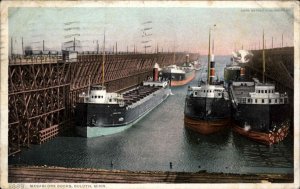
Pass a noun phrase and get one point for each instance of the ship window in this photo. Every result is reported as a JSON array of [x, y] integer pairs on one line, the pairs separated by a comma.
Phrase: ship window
[[270, 101], [219, 94], [99, 97], [210, 91], [110, 100], [262, 101], [195, 93], [269, 91], [255, 100], [266, 91], [275, 100], [258, 91], [248, 100]]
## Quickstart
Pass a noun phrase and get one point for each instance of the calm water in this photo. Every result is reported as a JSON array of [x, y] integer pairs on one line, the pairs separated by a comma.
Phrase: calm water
[[160, 138]]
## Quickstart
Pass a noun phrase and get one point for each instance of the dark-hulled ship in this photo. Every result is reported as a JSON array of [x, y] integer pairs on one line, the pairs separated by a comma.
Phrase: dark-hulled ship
[[207, 107], [259, 112], [104, 113], [236, 68]]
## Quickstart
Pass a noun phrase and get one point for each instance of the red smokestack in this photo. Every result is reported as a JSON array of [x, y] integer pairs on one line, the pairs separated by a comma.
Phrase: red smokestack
[[212, 69], [242, 72], [155, 72]]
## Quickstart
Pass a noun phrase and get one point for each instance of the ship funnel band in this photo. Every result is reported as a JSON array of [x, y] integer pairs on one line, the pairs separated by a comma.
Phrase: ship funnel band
[[212, 72], [212, 65], [242, 71], [212, 58], [155, 74]]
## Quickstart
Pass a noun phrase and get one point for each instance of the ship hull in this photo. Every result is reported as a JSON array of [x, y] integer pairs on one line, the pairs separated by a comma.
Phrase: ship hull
[[93, 120], [207, 115], [263, 137], [206, 127], [267, 124]]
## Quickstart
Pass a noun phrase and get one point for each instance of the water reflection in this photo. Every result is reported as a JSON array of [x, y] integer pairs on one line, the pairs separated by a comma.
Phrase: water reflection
[[217, 139]]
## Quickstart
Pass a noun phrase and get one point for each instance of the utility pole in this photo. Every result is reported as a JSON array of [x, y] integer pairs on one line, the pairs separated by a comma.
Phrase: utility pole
[[97, 47], [272, 42], [116, 47], [22, 47], [74, 44], [264, 66], [11, 46]]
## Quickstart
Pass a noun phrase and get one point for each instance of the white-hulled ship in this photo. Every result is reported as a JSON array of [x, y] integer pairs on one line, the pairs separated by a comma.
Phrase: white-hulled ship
[[179, 75], [104, 113]]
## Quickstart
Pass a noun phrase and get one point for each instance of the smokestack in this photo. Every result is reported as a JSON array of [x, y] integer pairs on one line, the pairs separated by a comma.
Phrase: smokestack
[[187, 58], [155, 72], [242, 72], [212, 69]]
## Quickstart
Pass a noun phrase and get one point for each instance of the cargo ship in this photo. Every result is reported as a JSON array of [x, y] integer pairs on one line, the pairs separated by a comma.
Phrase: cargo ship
[[104, 113], [197, 65], [207, 107], [236, 68], [259, 112], [178, 75]]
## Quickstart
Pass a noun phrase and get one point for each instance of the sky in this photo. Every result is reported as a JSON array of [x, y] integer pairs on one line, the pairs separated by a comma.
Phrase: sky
[[179, 28]]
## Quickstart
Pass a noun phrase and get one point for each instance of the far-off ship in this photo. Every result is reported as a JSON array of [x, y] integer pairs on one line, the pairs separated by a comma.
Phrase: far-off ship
[[179, 75]]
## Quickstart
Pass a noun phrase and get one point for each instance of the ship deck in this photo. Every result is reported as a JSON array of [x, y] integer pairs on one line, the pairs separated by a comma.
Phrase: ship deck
[[243, 91], [139, 93]]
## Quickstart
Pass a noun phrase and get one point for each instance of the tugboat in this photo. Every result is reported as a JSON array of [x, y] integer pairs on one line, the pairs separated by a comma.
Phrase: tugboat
[[179, 75], [104, 113], [207, 107], [259, 112]]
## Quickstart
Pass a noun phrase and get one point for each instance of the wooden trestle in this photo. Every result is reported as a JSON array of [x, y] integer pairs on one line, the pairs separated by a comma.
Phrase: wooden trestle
[[43, 90]]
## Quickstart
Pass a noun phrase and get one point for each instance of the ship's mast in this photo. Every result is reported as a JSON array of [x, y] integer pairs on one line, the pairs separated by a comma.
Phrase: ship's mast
[[103, 60], [174, 54], [263, 54], [208, 64]]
